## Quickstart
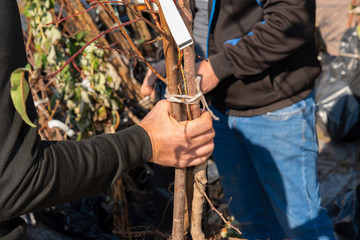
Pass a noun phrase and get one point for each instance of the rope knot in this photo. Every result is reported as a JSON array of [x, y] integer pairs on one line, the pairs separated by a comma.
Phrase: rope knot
[[185, 99]]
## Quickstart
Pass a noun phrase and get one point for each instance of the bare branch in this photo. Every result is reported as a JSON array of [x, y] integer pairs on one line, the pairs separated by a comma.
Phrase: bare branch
[[128, 37], [198, 184], [63, 19]]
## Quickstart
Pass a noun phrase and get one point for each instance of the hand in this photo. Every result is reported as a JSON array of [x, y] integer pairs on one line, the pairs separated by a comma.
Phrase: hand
[[178, 144], [208, 78], [147, 87]]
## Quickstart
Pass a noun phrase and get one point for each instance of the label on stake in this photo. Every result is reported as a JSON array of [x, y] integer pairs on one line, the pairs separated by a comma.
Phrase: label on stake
[[176, 24]]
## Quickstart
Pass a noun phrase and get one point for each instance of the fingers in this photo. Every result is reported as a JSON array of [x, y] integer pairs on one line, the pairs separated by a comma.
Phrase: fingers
[[198, 161], [209, 80], [193, 161], [198, 126], [178, 144], [197, 155], [147, 87], [201, 139], [201, 151], [146, 90], [163, 106], [148, 84], [190, 155]]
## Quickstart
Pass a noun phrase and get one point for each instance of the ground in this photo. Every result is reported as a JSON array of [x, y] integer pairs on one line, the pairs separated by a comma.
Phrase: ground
[[332, 18]]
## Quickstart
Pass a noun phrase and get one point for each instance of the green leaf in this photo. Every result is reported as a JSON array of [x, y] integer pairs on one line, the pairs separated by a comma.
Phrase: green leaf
[[81, 35], [53, 101], [19, 92], [102, 114]]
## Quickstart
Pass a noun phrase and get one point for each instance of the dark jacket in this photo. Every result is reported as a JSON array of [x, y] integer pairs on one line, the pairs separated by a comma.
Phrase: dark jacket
[[273, 65], [36, 174]]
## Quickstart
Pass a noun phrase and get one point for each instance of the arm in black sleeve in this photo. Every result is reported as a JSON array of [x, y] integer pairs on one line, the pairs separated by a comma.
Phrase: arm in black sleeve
[[288, 26], [35, 174]]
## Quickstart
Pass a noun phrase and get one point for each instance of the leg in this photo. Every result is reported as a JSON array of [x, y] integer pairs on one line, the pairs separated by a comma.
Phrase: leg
[[283, 148], [248, 201]]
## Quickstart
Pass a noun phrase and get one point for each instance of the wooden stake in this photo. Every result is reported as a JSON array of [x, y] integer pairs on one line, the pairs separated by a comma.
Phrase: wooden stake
[[173, 84], [199, 171]]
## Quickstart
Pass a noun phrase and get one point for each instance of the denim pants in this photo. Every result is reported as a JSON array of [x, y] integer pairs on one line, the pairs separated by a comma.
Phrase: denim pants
[[267, 165]]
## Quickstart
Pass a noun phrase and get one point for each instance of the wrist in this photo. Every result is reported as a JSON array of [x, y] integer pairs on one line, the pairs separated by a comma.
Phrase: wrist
[[220, 65]]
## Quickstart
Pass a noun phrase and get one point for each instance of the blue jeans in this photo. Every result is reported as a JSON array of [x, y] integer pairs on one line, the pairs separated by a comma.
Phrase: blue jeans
[[267, 165]]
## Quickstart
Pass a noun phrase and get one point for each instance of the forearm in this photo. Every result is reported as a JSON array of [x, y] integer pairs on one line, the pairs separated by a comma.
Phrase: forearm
[[36, 174], [44, 174]]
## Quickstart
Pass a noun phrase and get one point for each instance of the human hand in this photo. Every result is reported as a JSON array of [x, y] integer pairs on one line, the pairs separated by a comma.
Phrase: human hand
[[208, 78], [147, 87], [178, 144]]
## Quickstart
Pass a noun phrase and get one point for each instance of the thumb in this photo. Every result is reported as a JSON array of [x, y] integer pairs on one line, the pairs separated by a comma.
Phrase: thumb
[[163, 106]]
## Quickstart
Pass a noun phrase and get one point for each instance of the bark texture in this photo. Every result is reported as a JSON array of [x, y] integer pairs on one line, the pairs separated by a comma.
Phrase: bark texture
[[173, 85]]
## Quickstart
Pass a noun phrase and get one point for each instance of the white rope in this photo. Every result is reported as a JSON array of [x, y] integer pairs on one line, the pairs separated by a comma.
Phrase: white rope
[[185, 99]]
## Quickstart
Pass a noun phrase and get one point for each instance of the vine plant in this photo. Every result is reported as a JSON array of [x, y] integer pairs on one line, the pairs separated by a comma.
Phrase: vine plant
[[83, 85]]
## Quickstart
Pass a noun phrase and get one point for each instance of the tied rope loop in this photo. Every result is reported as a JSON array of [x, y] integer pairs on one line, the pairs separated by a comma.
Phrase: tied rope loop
[[185, 99]]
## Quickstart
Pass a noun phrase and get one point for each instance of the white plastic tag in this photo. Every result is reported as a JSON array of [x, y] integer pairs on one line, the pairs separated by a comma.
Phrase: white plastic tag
[[176, 24]]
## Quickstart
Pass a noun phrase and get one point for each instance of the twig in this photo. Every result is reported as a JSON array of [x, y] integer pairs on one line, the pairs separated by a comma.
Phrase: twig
[[60, 13], [202, 58], [127, 36], [156, 20], [122, 52], [63, 19], [158, 30], [142, 233], [166, 208], [154, 40], [51, 115], [213, 208], [81, 50]]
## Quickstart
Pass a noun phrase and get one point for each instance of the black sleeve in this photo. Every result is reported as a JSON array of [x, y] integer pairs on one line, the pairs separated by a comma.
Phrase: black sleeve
[[35, 174]]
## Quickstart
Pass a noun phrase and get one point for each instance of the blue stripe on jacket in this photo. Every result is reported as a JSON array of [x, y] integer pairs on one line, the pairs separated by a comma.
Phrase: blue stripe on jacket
[[231, 41], [210, 21]]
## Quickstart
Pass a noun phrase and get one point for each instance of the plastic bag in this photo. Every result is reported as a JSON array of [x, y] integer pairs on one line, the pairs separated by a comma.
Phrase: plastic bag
[[338, 90], [344, 213]]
